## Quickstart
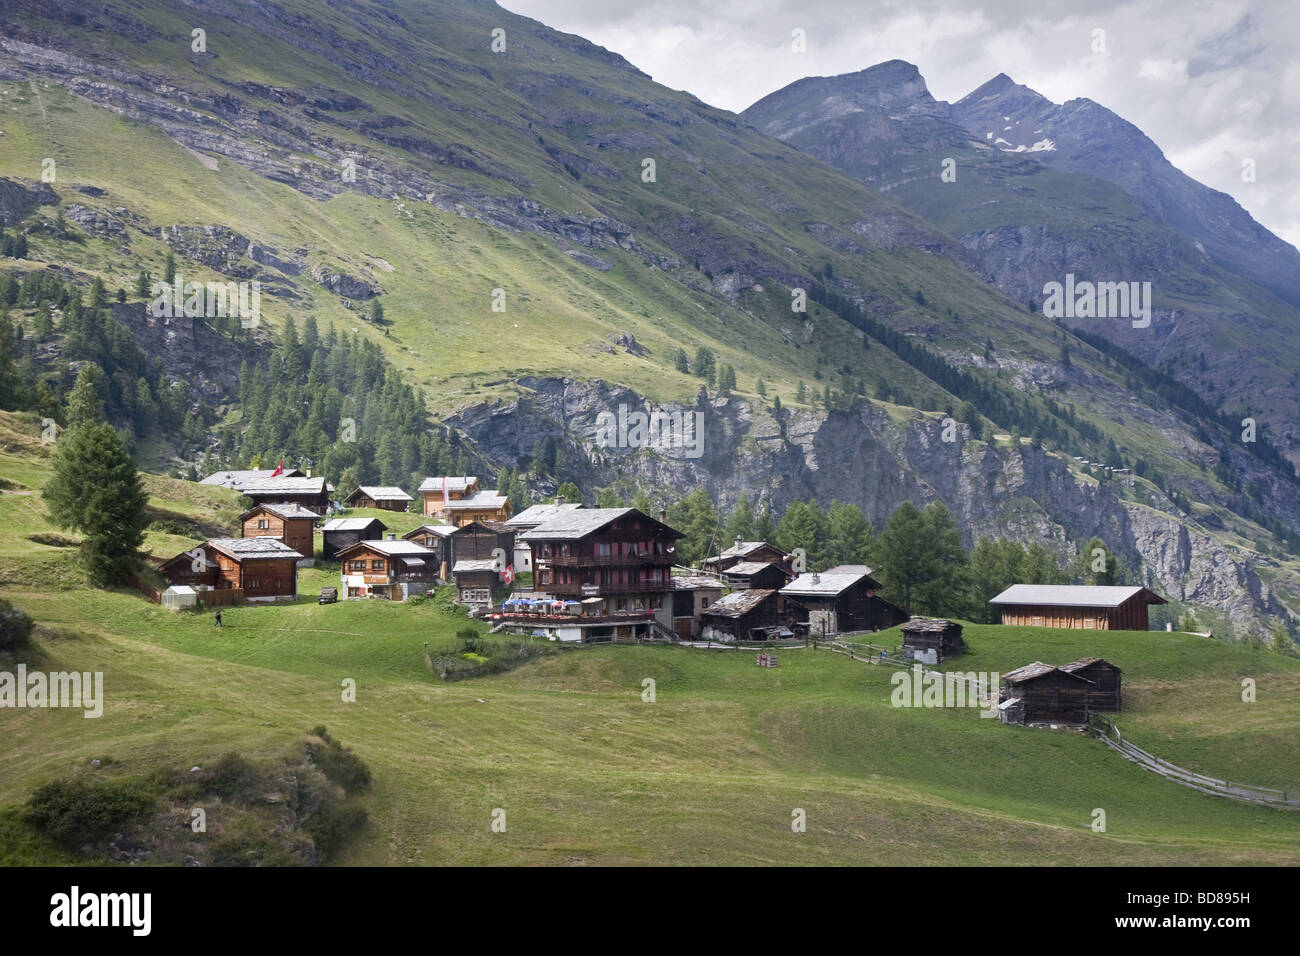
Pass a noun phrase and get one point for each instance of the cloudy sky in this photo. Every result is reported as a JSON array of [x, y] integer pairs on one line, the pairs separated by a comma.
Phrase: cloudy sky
[[1213, 82]]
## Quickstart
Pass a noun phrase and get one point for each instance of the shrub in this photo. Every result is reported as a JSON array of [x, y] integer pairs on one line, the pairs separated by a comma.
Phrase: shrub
[[333, 824], [15, 627], [76, 812], [231, 776], [339, 764]]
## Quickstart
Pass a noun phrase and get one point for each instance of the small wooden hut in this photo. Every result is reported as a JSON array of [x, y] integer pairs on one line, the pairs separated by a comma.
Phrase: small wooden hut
[[1106, 695], [930, 640]]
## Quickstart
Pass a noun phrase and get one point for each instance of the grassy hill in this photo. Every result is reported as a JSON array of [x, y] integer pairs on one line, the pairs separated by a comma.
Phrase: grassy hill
[[588, 772]]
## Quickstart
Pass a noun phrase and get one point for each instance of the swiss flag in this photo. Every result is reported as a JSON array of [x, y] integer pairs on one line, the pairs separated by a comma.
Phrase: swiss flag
[[508, 575], [279, 469]]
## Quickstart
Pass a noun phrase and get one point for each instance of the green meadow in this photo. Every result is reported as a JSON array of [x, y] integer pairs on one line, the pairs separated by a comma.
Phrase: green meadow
[[587, 771]]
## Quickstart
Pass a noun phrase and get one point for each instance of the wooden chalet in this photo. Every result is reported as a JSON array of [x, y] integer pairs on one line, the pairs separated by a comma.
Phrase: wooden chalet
[[751, 551], [290, 523], [841, 601], [437, 538], [259, 569], [311, 493], [1039, 693], [757, 614], [437, 491], [339, 533], [693, 594], [756, 574], [1106, 692], [931, 640], [482, 506], [1086, 607], [388, 569], [530, 518], [383, 497], [611, 568]]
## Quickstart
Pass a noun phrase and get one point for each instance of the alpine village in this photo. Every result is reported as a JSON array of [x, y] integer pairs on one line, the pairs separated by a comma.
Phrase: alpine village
[[417, 418]]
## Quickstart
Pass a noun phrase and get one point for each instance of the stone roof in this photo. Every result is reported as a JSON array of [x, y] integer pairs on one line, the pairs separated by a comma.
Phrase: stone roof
[[737, 603], [826, 583], [394, 548], [351, 524], [248, 549], [454, 483], [534, 515], [572, 525], [383, 493], [479, 500], [284, 509], [284, 486]]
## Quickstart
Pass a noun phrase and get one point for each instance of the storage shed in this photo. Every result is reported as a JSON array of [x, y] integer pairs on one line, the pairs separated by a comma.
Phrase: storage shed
[[1106, 695], [930, 640], [1047, 694]]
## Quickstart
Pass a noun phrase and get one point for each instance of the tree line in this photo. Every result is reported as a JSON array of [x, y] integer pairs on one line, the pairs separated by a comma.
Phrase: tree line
[[918, 555]]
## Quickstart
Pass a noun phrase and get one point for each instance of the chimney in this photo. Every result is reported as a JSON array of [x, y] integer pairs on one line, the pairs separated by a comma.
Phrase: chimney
[[391, 536], [816, 578], [663, 516], [737, 542], [559, 499], [308, 472]]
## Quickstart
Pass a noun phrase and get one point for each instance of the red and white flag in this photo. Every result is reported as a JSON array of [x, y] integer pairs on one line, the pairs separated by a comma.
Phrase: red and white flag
[[508, 575], [279, 469]]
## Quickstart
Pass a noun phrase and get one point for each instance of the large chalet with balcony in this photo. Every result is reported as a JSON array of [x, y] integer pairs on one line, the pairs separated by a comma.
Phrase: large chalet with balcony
[[598, 574]]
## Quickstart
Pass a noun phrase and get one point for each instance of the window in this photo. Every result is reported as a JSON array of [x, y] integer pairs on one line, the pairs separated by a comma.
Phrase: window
[[376, 564], [263, 524]]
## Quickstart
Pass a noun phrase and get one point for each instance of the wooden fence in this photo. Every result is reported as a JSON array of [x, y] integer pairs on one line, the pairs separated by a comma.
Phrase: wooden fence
[[145, 588], [1106, 730]]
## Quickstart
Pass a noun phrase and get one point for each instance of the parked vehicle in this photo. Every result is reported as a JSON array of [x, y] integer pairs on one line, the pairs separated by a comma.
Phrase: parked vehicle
[[328, 595]]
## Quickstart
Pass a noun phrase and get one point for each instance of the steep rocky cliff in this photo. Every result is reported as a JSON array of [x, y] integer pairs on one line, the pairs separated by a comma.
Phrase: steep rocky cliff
[[876, 461]]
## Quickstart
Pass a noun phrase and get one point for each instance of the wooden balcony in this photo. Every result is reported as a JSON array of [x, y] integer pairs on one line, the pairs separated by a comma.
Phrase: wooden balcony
[[605, 591], [601, 561]]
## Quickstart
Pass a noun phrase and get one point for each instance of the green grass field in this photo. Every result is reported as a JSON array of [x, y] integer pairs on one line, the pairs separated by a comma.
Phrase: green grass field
[[590, 773]]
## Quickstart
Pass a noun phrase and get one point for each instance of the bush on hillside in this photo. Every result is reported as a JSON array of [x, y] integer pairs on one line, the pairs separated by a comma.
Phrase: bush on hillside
[[339, 764], [74, 812], [15, 627]]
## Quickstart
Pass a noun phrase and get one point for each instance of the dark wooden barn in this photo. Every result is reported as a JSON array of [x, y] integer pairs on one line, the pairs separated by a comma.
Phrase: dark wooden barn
[[756, 614], [1107, 692], [340, 533], [756, 574], [746, 551], [841, 601], [383, 497], [1041, 693], [481, 540], [931, 640]]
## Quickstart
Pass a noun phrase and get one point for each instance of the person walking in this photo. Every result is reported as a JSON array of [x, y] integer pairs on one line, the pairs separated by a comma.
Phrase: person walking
[[218, 623]]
